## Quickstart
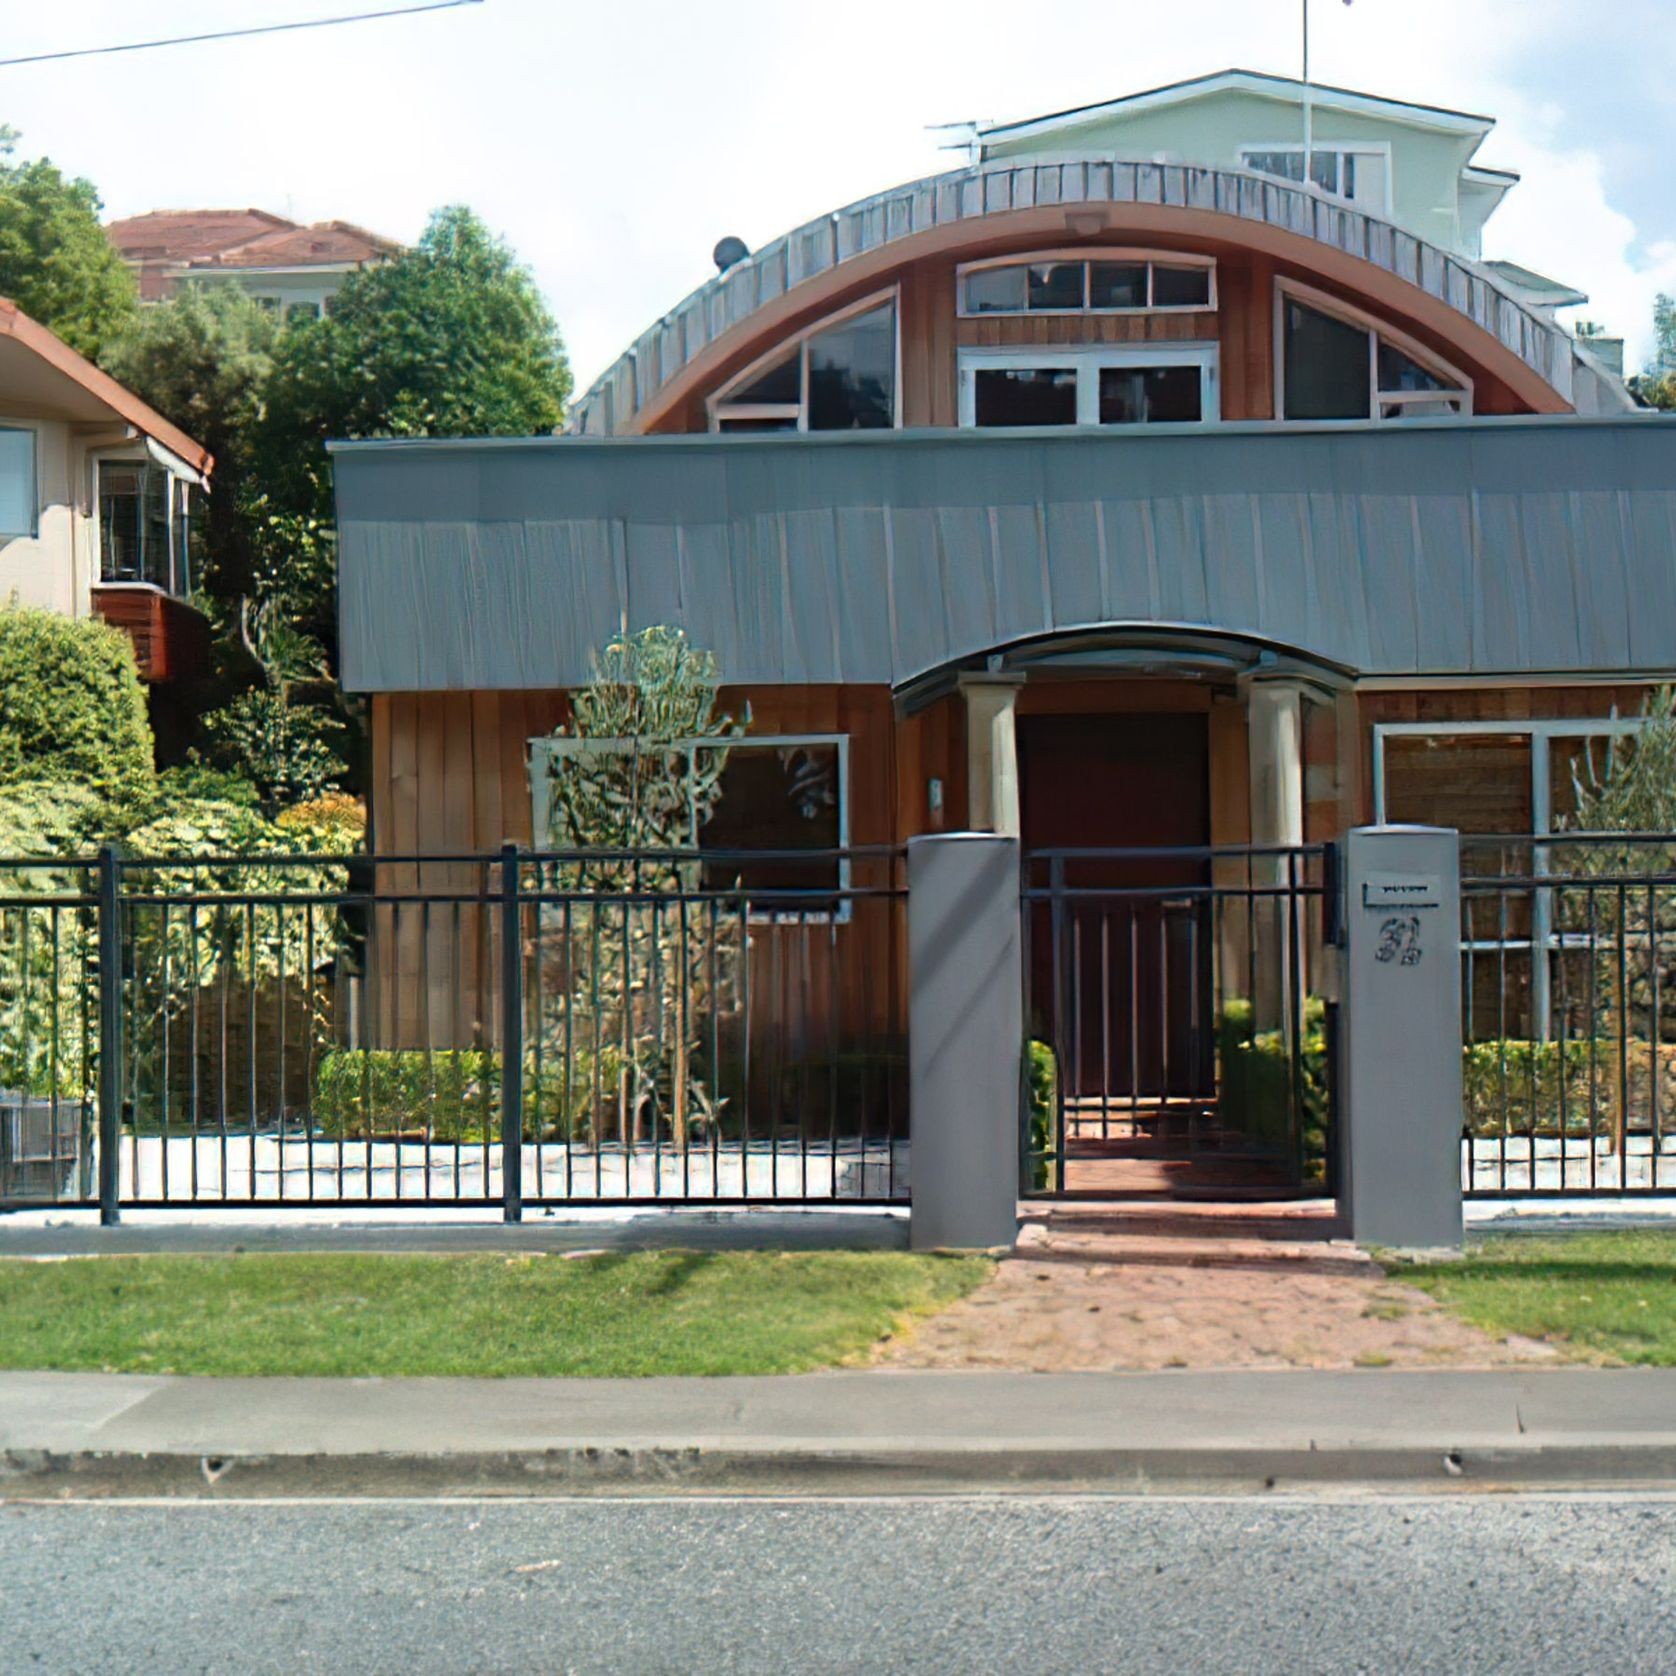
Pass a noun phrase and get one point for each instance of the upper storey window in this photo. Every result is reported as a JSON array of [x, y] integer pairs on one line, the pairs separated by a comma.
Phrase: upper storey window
[[1359, 175], [837, 376], [1118, 282], [1336, 363]]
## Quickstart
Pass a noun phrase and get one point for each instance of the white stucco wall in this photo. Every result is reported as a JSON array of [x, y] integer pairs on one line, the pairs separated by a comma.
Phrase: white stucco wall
[[52, 567]]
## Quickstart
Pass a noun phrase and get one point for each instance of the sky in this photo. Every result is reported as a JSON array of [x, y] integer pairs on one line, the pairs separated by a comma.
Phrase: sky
[[612, 142]]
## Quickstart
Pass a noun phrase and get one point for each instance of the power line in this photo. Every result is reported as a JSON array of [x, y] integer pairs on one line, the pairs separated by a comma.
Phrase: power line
[[231, 34]]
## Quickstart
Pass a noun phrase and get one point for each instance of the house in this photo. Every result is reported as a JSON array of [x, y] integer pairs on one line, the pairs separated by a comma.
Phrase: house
[[99, 499], [287, 266], [1121, 502], [1413, 165]]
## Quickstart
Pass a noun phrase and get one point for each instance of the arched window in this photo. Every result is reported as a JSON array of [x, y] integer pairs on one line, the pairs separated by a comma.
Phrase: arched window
[[838, 375], [1334, 362], [1089, 282]]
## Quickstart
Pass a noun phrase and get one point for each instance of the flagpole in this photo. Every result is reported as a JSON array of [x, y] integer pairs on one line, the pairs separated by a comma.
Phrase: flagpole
[[1309, 113]]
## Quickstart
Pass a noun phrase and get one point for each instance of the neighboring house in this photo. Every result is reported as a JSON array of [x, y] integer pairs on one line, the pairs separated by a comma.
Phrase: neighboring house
[[98, 500], [1410, 164], [285, 265], [1100, 501]]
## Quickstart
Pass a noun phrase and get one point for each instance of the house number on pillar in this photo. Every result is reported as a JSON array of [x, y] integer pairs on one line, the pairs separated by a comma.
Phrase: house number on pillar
[[1401, 941]]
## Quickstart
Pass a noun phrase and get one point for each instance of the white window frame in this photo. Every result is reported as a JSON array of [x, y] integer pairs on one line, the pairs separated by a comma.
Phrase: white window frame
[[1089, 360], [1341, 149], [543, 751], [1460, 386], [1086, 255], [718, 407], [33, 431], [1541, 734], [178, 514]]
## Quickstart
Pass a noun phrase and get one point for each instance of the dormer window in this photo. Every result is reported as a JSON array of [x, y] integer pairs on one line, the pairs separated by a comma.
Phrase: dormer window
[[1338, 363], [1114, 282], [1360, 175], [839, 375]]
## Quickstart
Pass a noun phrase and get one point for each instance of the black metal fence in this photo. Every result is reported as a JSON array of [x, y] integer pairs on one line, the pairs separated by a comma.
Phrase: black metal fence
[[1568, 953], [1180, 1040], [503, 1030]]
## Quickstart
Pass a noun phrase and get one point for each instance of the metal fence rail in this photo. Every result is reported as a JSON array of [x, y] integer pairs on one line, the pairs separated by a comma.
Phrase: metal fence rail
[[1568, 952], [504, 1030], [1178, 996]]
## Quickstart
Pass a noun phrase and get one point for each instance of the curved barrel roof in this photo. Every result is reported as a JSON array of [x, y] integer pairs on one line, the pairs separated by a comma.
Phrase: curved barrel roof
[[719, 311]]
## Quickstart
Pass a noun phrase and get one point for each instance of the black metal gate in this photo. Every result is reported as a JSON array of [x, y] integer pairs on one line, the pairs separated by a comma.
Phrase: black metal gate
[[1180, 1041]]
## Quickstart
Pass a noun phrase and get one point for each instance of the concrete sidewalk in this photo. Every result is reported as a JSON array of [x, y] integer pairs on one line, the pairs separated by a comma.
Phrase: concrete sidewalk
[[211, 1232], [860, 1432]]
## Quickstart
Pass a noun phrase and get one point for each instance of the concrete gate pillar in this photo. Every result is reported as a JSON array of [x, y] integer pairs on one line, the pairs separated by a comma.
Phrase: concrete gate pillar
[[1401, 1084], [965, 1039]]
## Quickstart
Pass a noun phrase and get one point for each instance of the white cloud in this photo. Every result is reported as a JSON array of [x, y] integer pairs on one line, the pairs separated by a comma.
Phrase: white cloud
[[1560, 222]]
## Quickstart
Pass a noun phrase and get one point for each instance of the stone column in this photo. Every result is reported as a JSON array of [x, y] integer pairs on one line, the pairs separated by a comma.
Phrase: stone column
[[992, 753], [1401, 1086], [965, 1039], [1277, 818]]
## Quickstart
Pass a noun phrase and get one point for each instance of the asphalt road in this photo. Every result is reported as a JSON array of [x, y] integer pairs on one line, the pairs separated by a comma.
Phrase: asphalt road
[[964, 1585]]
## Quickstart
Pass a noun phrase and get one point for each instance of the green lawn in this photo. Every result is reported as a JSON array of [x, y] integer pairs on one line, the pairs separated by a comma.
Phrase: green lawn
[[495, 1316], [1601, 1297]]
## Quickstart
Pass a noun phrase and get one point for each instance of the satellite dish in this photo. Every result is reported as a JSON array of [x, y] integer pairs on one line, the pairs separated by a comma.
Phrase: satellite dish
[[730, 251]]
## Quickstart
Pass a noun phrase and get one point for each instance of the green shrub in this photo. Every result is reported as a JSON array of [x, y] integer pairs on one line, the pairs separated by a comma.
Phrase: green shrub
[[72, 710], [1047, 1169], [1517, 1087], [453, 1095], [1254, 1079]]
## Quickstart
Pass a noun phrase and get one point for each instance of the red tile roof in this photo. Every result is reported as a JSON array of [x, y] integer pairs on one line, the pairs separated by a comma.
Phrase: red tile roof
[[242, 238]]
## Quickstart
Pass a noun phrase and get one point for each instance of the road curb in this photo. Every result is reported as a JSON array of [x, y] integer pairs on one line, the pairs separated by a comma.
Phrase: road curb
[[33, 1475]]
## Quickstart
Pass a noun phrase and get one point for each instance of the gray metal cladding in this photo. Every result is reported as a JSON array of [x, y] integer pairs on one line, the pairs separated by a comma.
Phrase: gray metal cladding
[[1492, 547]]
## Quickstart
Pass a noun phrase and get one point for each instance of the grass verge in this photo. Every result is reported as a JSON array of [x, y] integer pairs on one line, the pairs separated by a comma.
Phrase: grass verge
[[1609, 1296], [667, 1312]]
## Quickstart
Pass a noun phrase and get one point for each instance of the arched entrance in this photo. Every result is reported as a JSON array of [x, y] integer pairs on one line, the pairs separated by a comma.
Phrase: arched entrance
[[1175, 793]]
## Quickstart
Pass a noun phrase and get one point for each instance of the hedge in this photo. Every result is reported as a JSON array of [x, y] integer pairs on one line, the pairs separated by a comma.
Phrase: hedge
[[1047, 1169], [453, 1095], [1253, 1079], [1516, 1087], [72, 709]]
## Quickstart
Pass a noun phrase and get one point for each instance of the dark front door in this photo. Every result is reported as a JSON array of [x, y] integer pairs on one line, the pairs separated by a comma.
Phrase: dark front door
[[1130, 1010]]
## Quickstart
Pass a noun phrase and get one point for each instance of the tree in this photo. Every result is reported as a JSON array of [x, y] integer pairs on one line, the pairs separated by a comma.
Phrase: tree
[[1630, 932], [55, 262], [1633, 786], [653, 696], [72, 710], [282, 744], [1656, 387], [638, 984], [449, 338], [202, 359]]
